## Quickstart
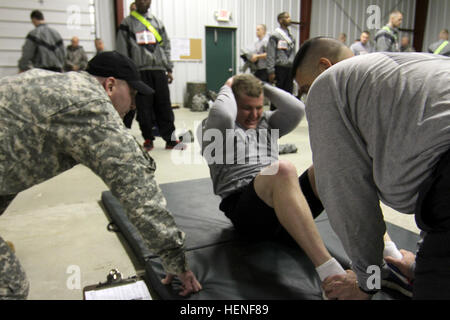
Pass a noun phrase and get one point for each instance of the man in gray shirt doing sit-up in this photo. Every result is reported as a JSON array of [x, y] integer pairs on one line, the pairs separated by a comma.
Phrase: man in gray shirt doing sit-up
[[379, 128], [261, 195]]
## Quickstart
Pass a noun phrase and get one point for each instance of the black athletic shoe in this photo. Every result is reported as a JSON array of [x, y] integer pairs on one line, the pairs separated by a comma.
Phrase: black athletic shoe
[[148, 145], [177, 145], [397, 281]]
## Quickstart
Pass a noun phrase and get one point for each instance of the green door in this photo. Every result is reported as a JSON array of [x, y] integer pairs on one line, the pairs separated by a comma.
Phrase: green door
[[220, 56]]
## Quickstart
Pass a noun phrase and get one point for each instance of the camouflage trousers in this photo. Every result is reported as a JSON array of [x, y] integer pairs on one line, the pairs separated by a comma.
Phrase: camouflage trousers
[[13, 281]]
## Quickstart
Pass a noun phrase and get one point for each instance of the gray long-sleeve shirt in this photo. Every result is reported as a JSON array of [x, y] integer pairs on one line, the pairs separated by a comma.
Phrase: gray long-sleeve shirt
[[146, 56], [260, 48], [229, 176], [387, 40], [43, 48], [378, 125]]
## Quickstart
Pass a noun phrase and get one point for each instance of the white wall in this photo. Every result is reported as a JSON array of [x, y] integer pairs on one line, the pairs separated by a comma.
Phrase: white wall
[[188, 18], [331, 17], [106, 23], [69, 17]]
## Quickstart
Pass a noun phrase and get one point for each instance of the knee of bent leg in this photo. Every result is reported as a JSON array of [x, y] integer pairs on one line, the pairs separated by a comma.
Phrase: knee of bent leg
[[286, 169]]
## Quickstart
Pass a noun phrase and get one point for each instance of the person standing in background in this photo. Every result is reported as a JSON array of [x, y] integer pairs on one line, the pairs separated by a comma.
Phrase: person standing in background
[[362, 46], [405, 45], [387, 39], [342, 38], [281, 54], [99, 45], [132, 7], [260, 55], [43, 48], [143, 38]]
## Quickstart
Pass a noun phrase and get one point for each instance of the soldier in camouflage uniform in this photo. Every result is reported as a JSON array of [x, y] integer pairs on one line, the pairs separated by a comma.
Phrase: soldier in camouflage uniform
[[43, 48], [76, 58], [50, 122]]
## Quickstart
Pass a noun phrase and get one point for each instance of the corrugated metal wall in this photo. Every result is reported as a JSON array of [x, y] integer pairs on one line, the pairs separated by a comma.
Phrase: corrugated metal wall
[[69, 17], [438, 19], [188, 18], [331, 17]]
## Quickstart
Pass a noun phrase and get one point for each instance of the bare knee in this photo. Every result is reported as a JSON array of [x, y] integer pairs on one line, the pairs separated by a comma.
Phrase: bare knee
[[286, 170]]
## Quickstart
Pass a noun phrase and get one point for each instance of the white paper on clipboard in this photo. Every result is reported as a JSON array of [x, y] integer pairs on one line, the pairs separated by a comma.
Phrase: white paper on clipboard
[[131, 291]]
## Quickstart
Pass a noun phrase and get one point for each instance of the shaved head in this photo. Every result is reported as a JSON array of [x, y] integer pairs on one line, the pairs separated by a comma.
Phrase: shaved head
[[314, 57], [75, 41], [396, 18]]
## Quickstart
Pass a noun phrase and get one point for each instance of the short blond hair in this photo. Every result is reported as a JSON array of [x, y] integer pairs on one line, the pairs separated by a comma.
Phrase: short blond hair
[[247, 84]]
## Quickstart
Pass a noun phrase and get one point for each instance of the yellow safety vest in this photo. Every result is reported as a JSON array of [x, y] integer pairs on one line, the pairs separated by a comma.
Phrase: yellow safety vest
[[149, 26]]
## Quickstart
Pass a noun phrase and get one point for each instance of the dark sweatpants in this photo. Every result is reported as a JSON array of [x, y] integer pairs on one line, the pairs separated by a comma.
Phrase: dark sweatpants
[[284, 81], [155, 109], [432, 274], [262, 75]]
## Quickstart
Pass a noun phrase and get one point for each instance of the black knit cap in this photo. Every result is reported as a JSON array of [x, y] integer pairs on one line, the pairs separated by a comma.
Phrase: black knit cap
[[113, 64]]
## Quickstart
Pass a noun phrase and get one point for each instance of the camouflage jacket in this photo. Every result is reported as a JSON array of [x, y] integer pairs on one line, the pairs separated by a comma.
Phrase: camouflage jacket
[[43, 48], [50, 122], [76, 57]]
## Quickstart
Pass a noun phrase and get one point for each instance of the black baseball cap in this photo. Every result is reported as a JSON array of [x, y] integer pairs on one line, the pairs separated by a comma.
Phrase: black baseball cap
[[115, 64]]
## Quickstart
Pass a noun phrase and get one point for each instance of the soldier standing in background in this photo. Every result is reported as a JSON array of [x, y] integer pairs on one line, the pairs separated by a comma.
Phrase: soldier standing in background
[[281, 54], [43, 48], [99, 45], [143, 38], [387, 39], [260, 55]]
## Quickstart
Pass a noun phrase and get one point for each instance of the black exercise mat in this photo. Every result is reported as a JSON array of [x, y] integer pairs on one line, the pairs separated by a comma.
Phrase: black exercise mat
[[196, 212], [229, 267]]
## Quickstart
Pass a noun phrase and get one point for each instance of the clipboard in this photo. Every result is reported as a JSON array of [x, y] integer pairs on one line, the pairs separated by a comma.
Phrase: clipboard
[[117, 288]]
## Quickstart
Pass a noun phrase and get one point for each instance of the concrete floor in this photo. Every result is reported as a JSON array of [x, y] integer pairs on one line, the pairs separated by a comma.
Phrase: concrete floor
[[59, 227]]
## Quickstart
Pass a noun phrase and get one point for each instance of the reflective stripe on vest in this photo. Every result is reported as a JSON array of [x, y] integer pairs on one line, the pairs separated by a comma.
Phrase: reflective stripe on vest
[[149, 26], [386, 28], [441, 47]]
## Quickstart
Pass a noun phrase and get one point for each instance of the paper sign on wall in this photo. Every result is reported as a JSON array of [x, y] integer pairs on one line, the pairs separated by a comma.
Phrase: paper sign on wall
[[186, 49]]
